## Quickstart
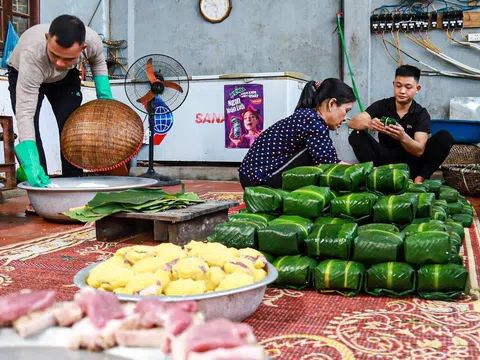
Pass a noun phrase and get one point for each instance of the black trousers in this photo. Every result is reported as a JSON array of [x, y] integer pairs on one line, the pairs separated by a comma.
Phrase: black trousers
[[64, 97], [366, 148], [302, 158]]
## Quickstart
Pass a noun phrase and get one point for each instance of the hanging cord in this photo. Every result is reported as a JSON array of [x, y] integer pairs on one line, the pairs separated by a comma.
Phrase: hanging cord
[[339, 24], [98, 5]]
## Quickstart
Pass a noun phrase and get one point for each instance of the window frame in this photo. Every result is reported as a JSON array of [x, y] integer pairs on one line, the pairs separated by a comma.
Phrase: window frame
[[7, 13]]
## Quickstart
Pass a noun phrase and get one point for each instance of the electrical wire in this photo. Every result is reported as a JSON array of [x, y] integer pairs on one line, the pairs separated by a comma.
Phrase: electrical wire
[[339, 25]]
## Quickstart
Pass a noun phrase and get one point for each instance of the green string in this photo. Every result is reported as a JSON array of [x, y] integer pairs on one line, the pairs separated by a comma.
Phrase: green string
[[348, 63]]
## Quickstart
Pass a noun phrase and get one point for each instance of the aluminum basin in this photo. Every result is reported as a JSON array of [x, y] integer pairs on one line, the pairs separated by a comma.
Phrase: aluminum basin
[[51, 202], [235, 304]]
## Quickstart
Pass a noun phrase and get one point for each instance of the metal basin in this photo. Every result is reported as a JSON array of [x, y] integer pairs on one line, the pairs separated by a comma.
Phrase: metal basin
[[235, 304], [51, 202]]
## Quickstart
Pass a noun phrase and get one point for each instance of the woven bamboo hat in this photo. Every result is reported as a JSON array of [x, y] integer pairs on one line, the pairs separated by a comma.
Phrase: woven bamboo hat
[[101, 135]]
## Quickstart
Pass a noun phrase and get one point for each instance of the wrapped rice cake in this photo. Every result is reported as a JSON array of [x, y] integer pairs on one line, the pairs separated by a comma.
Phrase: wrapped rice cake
[[342, 177], [294, 271], [237, 234], [282, 239], [388, 181], [448, 194], [433, 185], [259, 218], [260, 199], [454, 208], [397, 209], [331, 241], [305, 224], [379, 226], [340, 276], [465, 219], [429, 247], [331, 220], [425, 205], [309, 201], [442, 281], [377, 246], [300, 176], [393, 279], [354, 205]]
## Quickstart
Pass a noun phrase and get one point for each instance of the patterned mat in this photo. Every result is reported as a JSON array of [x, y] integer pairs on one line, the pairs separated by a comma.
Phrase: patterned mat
[[291, 324]]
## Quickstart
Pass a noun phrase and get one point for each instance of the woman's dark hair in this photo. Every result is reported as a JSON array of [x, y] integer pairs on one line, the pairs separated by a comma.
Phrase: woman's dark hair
[[68, 30], [314, 93]]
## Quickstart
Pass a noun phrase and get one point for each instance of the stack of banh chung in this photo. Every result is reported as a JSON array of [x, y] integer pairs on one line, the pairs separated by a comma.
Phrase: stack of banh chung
[[352, 228]]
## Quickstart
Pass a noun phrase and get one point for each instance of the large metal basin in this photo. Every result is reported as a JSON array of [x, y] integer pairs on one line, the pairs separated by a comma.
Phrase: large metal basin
[[235, 304], [51, 202]]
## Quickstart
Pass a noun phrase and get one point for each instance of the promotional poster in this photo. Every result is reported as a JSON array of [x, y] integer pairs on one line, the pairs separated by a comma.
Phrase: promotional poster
[[243, 114]]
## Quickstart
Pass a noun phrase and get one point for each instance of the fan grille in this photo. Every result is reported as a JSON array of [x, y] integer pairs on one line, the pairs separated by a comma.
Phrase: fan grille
[[165, 68]]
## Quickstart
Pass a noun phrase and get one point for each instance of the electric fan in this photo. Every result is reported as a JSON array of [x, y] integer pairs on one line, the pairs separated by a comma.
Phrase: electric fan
[[157, 85]]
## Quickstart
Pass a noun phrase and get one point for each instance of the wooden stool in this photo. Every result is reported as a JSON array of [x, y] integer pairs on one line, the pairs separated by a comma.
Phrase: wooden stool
[[178, 226], [8, 167]]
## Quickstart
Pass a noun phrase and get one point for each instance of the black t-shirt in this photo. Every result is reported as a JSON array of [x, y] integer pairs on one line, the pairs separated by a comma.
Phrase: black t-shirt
[[417, 119]]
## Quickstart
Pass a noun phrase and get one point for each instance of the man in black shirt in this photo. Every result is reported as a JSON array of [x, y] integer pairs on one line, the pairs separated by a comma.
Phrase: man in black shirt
[[406, 141]]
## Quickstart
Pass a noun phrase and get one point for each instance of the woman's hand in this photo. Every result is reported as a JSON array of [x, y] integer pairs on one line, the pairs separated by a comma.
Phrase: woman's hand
[[344, 163], [235, 142]]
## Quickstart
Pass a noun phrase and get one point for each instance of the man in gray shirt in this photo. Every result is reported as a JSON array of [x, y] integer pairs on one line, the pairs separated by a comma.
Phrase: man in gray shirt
[[44, 63]]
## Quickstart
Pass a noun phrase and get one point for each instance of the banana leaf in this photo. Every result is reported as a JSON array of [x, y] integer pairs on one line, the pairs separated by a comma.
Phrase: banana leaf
[[400, 166], [263, 218], [308, 201], [421, 220], [385, 120], [394, 279], [377, 246], [300, 177], [270, 258], [294, 272], [260, 199], [450, 195], [433, 185], [282, 239], [133, 200], [354, 205], [425, 205], [441, 203], [464, 219], [388, 181], [416, 228], [455, 208], [342, 177], [428, 247], [378, 226], [366, 167], [237, 234], [457, 227], [340, 276], [438, 213], [331, 220], [331, 241], [417, 188], [396, 209], [304, 224], [442, 281], [455, 240], [467, 209]]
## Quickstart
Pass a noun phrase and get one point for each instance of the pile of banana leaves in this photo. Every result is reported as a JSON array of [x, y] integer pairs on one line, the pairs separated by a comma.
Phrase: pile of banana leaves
[[133, 200]]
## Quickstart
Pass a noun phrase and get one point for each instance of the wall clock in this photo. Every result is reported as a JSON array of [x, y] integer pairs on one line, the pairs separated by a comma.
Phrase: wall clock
[[215, 11]]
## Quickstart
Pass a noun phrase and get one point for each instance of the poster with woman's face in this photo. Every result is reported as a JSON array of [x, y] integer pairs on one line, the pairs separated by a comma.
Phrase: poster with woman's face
[[243, 114]]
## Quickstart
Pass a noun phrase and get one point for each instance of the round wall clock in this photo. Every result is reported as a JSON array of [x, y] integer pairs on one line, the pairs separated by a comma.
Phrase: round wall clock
[[215, 11]]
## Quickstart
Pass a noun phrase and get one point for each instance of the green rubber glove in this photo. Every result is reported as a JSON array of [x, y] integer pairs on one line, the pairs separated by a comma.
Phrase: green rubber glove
[[21, 176], [27, 154], [102, 86]]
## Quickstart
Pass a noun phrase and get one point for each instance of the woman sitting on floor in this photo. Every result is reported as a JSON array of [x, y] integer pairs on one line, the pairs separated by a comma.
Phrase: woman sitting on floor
[[301, 139]]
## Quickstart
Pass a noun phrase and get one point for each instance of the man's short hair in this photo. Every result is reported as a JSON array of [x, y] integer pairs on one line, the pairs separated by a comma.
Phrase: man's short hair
[[68, 30], [408, 71]]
